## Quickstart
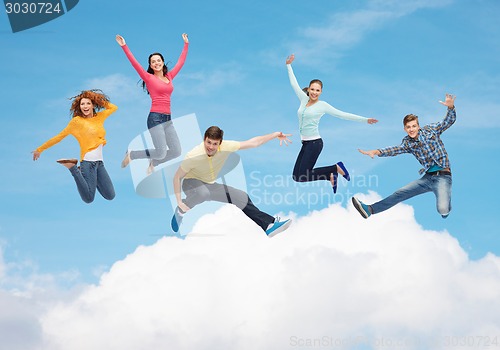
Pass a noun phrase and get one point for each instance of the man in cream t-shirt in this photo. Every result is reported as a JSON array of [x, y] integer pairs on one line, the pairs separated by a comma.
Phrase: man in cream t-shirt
[[199, 170]]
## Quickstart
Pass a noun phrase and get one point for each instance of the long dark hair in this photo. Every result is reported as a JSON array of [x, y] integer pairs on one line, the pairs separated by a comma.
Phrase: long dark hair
[[151, 71]]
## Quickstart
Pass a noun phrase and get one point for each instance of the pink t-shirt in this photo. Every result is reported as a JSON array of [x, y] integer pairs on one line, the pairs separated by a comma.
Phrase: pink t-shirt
[[159, 91]]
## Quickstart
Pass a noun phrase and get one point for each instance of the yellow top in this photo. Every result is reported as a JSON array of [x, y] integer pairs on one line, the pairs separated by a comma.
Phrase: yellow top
[[89, 132], [198, 165]]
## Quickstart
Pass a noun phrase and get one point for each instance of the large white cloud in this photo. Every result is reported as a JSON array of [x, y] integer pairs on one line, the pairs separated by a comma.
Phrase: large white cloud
[[332, 279]]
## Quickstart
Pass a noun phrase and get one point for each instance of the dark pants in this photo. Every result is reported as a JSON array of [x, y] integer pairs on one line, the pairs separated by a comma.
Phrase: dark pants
[[198, 192], [304, 170]]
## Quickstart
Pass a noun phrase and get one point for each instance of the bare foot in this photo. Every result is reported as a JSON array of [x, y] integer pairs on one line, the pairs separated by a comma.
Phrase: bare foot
[[340, 171], [332, 179], [150, 168], [126, 160]]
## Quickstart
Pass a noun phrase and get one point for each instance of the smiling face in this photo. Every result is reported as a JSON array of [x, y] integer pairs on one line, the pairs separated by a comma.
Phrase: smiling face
[[314, 91], [156, 63], [412, 128], [211, 146], [87, 107]]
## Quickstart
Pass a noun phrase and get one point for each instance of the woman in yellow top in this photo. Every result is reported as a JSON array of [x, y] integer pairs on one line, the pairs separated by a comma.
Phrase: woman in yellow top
[[87, 126]]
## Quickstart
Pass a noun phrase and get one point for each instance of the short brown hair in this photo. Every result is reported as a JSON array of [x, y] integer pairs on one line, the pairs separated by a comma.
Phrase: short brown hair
[[214, 133], [409, 118]]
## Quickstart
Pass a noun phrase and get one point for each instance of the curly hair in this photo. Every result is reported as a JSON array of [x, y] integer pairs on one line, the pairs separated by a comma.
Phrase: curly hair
[[98, 98]]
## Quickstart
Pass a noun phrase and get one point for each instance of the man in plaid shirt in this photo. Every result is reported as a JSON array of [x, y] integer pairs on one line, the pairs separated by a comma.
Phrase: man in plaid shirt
[[426, 145]]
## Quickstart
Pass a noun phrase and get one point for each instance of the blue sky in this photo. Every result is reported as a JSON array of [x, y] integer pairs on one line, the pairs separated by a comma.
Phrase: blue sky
[[380, 59], [377, 58]]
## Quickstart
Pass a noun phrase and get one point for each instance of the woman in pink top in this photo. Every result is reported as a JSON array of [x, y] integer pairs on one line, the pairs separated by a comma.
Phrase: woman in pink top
[[157, 81]]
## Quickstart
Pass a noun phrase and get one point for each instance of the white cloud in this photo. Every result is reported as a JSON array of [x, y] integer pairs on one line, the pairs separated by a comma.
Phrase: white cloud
[[331, 276], [25, 295]]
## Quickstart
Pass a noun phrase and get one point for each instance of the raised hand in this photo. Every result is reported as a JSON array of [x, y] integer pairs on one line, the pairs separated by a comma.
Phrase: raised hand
[[372, 121], [185, 38], [120, 40], [449, 101], [290, 59]]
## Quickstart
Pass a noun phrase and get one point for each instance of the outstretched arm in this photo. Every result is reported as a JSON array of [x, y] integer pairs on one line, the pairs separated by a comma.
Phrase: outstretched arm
[[56, 139], [179, 175], [260, 140]]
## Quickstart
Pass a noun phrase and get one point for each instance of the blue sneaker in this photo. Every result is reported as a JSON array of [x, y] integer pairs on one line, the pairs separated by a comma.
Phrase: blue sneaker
[[278, 226], [363, 209], [176, 220], [344, 169]]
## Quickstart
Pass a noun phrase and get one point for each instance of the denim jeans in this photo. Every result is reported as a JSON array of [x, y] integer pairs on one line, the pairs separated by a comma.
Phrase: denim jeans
[[440, 185], [165, 140], [304, 170], [198, 192], [91, 176]]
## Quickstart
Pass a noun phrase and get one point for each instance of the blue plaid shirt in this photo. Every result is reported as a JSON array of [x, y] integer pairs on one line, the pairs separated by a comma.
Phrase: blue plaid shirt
[[427, 147]]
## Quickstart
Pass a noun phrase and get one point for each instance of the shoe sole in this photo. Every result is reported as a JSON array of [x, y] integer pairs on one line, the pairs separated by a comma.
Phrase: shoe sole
[[359, 208], [66, 161], [280, 229]]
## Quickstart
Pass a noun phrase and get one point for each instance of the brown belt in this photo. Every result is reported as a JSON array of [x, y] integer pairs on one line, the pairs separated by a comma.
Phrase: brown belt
[[440, 172]]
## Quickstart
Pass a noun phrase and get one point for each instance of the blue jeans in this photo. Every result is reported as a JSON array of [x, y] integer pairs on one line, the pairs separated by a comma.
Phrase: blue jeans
[[91, 176], [439, 184], [304, 170], [165, 140]]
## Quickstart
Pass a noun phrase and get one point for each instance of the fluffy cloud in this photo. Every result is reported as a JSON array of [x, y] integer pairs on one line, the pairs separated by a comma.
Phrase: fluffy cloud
[[332, 280]]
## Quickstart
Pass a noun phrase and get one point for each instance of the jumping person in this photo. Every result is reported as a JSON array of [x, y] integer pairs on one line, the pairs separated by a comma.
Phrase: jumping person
[[426, 145], [87, 126], [200, 169], [310, 112], [158, 82]]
